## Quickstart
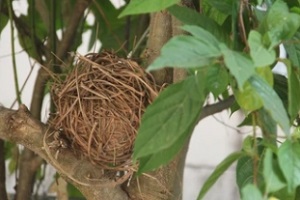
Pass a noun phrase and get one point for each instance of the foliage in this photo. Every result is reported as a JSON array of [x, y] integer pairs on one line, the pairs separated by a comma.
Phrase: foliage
[[230, 47], [238, 42]]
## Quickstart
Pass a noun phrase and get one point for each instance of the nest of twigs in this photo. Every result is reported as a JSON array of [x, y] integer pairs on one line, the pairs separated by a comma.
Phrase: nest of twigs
[[100, 105]]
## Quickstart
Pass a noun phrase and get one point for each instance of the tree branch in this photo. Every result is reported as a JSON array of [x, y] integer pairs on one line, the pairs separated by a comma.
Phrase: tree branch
[[3, 193], [20, 127], [71, 30], [217, 107]]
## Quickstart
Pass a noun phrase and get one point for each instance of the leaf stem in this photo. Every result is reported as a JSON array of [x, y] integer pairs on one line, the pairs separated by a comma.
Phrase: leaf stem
[[255, 158], [17, 90]]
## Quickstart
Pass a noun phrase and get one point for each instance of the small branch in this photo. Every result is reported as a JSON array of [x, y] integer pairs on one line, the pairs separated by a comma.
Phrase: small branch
[[71, 30], [217, 107], [3, 193], [242, 25], [17, 90]]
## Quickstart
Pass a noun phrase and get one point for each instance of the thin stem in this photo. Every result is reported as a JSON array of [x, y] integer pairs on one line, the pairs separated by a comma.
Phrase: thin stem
[[242, 25], [138, 43], [255, 157], [18, 95]]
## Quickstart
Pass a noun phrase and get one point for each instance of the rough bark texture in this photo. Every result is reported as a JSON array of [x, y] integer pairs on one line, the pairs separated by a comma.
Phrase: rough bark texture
[[160, 33], [21, 127], [3, 194]]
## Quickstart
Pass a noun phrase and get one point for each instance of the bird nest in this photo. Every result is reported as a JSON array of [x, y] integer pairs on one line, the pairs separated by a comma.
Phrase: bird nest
[[99, 107]]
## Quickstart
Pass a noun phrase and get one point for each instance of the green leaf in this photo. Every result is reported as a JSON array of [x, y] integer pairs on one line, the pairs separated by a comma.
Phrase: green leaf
[[259, 54], [146, 6], [201, 34], [289, 162], [212, 12], [271, 173], [268, 126], [251, 192], [155, 160], [271, 102], [73, 191], [240, 66], [224, 6], [293, 49], [188, 51], [220, 169], [244, 168], [191, 17], [248, 98], [293, 91], [3, 22], [280, 24], [281, 88], [217, 79], [172, 115]]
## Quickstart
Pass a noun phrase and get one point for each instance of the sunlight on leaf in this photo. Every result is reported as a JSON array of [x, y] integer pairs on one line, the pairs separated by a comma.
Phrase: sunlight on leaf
[[259, 54], [146, 6], [188, 51], [251, 192], [239, 65]]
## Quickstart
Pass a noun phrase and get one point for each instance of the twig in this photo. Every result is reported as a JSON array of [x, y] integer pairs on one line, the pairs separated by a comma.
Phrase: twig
[[17, 90], [217, 107], [242, 25], [138, 43]]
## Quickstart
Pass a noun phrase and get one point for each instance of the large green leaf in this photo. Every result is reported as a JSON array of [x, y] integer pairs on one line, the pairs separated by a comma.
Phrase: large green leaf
[[289, 162], [155, 160], [188, 51], [146, 6], [191, 17], [172, 115], [294, 91], [247, 98], [293, 49], [220, 169], [217, 79], [271, 102], [251, 192], [271, 173], [279, 24], [259, 54], [239, 65], [201, 34], [267, 125]]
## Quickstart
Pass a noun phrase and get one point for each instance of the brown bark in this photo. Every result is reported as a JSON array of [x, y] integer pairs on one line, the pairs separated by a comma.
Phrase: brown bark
[[21, 127], [3, 193], [160, 33]]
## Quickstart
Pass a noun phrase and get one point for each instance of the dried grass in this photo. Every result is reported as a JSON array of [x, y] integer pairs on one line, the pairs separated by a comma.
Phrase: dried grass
[[100, 105]]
